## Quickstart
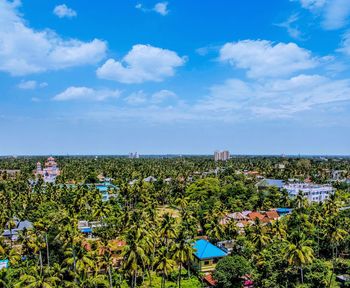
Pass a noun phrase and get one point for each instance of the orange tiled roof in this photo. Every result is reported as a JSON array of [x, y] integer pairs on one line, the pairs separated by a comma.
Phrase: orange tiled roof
[[272, 215], [209, 278], [255, 215]]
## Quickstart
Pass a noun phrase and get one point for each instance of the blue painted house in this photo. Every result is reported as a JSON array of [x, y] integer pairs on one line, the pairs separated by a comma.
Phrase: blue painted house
[[206, 256]]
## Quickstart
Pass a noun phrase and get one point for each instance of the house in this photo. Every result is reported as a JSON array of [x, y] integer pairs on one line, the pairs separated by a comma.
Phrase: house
[[313, 192], [237, 216], [265, 183], [19, 226], [283, 211], [344, 280], [150, 179], [4, 264], [206, 256], [271, 215], [254, 215], [105, 188]]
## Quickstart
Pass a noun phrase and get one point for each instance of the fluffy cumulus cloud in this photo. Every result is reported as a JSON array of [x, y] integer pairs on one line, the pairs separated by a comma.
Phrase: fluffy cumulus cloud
[[86, 93], [62, 11], [24, 50], [335, 13], [263, 58], [31, 85], [143, 63]]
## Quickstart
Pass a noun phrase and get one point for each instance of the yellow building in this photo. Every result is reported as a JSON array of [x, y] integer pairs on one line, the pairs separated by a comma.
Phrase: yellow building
[[206, 256]]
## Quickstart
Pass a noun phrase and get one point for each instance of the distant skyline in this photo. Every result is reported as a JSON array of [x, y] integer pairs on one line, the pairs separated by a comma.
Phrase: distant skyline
[[175, 77]]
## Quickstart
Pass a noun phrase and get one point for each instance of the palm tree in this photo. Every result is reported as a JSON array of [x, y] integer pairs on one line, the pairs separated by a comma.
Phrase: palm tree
[[182, 251], [134, 255], [299, 254], [36, 279], [167, 229], [79, 257], [164, 264], [257, 233]]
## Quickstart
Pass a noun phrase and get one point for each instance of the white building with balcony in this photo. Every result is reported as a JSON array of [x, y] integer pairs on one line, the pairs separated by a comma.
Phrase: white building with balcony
[[313, 192]]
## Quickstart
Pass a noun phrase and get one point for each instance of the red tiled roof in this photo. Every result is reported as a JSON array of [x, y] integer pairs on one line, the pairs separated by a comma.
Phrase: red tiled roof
[[209, 278], [272, 215], [255, 215]]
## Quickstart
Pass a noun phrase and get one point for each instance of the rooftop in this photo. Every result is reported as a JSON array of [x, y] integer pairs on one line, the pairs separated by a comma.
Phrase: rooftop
[[271, 182], [206, 250]]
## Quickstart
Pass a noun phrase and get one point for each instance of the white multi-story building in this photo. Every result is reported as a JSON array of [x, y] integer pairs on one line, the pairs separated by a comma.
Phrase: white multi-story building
[[313, 192], [221, 155], [134, 155]]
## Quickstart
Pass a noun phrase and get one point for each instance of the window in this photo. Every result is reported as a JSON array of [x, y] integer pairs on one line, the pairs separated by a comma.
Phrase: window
[[206, 262]]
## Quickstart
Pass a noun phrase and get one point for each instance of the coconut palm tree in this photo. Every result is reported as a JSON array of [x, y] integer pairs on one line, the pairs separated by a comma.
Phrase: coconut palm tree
[[299, 254], [182, 251], [164, 264], [37, 279]]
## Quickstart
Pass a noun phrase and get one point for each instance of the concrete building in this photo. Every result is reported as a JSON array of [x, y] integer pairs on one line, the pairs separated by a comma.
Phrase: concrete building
[[221, 155], [134, 155], [313, 192], [206, 256]]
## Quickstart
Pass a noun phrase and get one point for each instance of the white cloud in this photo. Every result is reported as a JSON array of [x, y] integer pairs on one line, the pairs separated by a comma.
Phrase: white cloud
[[345, 44], [335, 13], [312, 4], [85, 93], [24, 50], [136, 98], [161, 8], [63, 11], [143, 63], [31, 85], [275, 98], [263, 58], [27, 85], [157, 98], [163, 96], [289, 25]]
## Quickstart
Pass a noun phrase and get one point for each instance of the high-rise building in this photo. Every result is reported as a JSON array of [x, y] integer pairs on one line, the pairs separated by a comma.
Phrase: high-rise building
[[134, 155], [221, 155]]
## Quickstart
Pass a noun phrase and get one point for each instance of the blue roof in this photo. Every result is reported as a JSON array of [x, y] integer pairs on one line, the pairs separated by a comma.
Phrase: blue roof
[[283, 210], [273, 182], [85, 230], [206, 250]]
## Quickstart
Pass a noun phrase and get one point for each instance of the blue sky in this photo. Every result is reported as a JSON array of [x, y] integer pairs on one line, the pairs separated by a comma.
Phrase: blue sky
[[189, 77]]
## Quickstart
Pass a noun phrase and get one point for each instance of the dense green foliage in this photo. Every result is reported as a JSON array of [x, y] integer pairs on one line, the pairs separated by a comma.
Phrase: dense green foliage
[[158, 222]]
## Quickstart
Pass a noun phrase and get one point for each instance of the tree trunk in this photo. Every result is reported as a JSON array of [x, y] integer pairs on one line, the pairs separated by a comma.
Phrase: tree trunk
[[179, 276], [163, 281], [41, 262], [301, 275], [110, 276], [74, 266], [47, 250]]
